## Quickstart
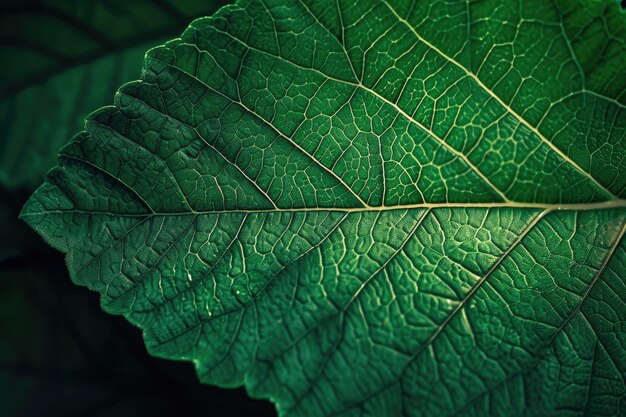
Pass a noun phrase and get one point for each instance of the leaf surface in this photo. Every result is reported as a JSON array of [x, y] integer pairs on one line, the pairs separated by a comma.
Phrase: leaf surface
[[370, 208]]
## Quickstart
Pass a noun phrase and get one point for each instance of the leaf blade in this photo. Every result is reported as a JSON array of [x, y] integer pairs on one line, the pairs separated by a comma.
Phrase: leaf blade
[[279, 211]]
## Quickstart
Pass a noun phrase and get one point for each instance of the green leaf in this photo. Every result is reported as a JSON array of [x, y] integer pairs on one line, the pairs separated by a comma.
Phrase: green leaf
[[61, 60], [370, 208]]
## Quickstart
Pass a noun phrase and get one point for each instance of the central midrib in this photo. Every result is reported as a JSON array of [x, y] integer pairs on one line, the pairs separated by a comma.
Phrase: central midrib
[[605, 205]]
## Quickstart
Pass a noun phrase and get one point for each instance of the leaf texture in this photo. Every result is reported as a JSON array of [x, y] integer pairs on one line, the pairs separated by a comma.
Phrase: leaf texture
[[370, 208]]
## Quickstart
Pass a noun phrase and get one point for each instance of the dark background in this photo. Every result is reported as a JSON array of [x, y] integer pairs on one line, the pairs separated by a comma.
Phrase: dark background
[[60, 354]]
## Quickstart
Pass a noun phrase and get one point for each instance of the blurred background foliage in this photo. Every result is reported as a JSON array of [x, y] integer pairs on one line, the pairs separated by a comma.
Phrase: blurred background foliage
[[60, 354]]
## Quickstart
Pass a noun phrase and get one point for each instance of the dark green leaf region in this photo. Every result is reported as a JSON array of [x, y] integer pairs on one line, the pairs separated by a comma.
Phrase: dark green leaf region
[[63, 59], [368, 208]]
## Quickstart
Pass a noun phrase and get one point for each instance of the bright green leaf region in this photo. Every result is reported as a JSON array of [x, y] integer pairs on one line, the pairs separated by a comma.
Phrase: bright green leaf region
[[368, 208]]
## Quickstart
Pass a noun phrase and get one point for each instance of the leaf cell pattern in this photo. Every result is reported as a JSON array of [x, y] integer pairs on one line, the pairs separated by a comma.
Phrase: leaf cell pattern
[[370, 208]]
